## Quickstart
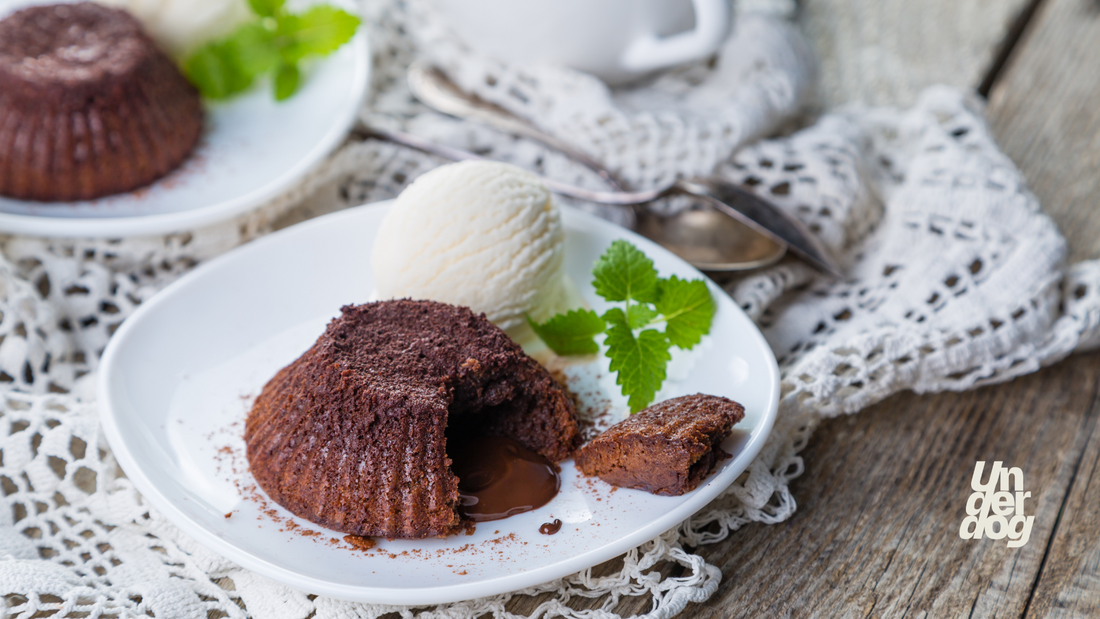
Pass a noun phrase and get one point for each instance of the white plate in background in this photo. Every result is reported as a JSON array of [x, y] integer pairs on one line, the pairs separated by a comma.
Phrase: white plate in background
[[253, 148], [177, 379]]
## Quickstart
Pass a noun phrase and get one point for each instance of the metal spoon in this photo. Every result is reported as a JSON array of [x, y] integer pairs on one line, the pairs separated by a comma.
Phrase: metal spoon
[[740, 232], [705, 238]]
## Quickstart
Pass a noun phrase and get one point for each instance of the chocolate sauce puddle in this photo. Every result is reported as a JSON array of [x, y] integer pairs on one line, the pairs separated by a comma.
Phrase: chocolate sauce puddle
[[550, 528], [498, 477]]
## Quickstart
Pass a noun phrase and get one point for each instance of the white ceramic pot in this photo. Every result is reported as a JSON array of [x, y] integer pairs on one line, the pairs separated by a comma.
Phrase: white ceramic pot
[[616, 40]]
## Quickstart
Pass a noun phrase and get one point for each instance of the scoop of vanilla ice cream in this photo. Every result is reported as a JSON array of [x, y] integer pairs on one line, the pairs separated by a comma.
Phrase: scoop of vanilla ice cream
[[482, 234], [179, 26]]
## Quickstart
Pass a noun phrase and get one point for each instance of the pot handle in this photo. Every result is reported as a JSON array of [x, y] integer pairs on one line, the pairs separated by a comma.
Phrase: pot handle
[[712, 23]]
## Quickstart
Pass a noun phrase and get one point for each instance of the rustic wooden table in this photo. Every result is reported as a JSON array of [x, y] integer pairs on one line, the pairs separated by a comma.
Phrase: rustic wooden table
[[879, 506]]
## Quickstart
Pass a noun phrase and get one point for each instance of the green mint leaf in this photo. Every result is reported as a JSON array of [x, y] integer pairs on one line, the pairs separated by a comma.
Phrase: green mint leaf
[[286, 81], [639, 355], [624, 273], [318, 31], [273, 42], [266, 8], [688, 310], [639, 361], [252, 49], [212, 70], [636, 316], [639, 315], [228, 66], [571, 333], [615, 317]]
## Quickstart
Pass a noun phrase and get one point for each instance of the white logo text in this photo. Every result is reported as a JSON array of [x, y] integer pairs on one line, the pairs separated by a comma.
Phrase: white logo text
[[989, 509]]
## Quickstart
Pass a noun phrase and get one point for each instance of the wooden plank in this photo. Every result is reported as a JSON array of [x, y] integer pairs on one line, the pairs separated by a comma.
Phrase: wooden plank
[[1069, 585], [887, 548], [887, 51], [1045, 113], [876, 533]]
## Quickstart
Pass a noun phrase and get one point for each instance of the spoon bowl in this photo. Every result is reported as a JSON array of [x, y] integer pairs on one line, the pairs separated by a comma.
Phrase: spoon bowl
[[709, 239]]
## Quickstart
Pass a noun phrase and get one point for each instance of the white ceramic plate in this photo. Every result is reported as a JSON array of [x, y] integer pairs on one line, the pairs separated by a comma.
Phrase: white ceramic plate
[[253, 148], [178, 378]]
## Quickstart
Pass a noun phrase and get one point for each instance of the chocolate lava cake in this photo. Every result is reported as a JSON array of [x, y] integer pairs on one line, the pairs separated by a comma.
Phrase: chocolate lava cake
[[666, 449], [88, 105], [353, 434]]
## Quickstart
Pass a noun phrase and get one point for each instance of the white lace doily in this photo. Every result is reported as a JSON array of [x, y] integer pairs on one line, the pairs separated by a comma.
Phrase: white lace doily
[[954, 279]]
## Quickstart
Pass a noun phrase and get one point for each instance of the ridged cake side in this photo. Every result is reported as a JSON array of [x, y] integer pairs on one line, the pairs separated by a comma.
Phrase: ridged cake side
[[353, 434], [363, 461]]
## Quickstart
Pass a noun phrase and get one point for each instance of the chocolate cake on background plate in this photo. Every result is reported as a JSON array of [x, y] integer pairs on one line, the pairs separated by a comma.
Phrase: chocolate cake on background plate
[[89, 106], [353, 434]]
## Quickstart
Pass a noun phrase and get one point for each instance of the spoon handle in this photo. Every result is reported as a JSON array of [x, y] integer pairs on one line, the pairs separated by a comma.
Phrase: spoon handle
[[363, 132], [620, 198], [742, 205], [438, 92]]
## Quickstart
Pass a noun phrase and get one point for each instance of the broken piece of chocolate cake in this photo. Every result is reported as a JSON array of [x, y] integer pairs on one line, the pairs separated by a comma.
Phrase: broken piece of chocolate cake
[[666, 449]]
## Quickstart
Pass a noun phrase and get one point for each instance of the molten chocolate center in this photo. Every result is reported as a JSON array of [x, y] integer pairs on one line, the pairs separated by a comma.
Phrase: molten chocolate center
[[498, 477]]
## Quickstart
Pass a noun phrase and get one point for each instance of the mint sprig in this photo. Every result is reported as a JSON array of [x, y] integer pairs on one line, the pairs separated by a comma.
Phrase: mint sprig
[[639, 361], [624, 273], [276, 42], [688, 310], [571, 333], [639, 352]]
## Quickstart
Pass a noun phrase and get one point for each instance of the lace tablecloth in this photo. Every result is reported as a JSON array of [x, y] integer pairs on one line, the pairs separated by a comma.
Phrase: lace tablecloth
[[954, 279]]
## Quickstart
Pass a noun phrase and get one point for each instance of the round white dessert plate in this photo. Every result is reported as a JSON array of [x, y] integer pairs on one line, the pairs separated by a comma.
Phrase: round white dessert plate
[[253, 148], [178, 378]]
